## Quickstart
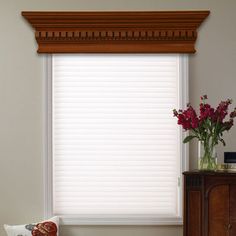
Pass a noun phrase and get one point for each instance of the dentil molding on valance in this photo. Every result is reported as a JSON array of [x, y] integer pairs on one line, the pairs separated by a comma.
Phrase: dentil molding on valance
[[116, 32]]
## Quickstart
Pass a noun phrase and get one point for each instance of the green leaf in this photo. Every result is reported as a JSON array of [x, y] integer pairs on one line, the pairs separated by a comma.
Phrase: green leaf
[[188, 138], [222, 140]]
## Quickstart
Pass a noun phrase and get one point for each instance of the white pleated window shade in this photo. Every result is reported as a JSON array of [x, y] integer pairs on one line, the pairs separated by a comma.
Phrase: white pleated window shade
[[116, 145]]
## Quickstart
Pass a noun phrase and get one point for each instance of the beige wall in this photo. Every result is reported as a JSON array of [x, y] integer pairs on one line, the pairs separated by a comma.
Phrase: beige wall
[[212, 71]]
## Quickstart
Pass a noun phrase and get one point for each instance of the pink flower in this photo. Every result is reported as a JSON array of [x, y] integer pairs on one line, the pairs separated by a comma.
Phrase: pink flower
[[228, 124], [210, 122], [233, 113], [188, 118], [195, 123], [175, 112], [206, 111], [222, 111], [204, 97]]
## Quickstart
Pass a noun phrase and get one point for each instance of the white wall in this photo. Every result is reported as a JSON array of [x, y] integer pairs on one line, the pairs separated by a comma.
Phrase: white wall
[[212, 71]]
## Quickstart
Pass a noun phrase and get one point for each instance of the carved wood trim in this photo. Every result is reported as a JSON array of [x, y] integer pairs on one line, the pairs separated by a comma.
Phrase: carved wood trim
[[116, 32]]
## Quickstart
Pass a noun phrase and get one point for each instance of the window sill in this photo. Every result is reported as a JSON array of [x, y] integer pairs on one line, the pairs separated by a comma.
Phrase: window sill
[[121, 220]]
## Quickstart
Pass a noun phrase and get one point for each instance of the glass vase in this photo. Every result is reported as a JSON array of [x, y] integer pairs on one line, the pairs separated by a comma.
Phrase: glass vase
[[207, 156]]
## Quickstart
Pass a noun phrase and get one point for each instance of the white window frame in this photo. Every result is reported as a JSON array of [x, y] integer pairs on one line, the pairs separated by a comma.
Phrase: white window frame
[[47, 158]]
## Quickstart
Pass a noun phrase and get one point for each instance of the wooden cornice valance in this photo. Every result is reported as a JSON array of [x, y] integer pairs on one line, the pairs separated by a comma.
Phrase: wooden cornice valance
[[116, 32]]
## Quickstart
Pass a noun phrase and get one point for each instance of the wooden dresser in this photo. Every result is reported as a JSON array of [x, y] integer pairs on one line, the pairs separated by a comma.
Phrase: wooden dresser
[[209, 203]]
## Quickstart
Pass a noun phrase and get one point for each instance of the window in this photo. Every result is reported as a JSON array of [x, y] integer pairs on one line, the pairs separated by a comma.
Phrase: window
[[103, 170], [114, 151]]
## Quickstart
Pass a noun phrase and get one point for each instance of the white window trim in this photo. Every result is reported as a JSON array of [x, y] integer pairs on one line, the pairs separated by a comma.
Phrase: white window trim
[[47, 159]]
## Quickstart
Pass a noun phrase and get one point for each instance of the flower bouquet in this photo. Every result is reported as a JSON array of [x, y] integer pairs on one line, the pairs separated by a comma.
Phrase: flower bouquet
[[207, 127]]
